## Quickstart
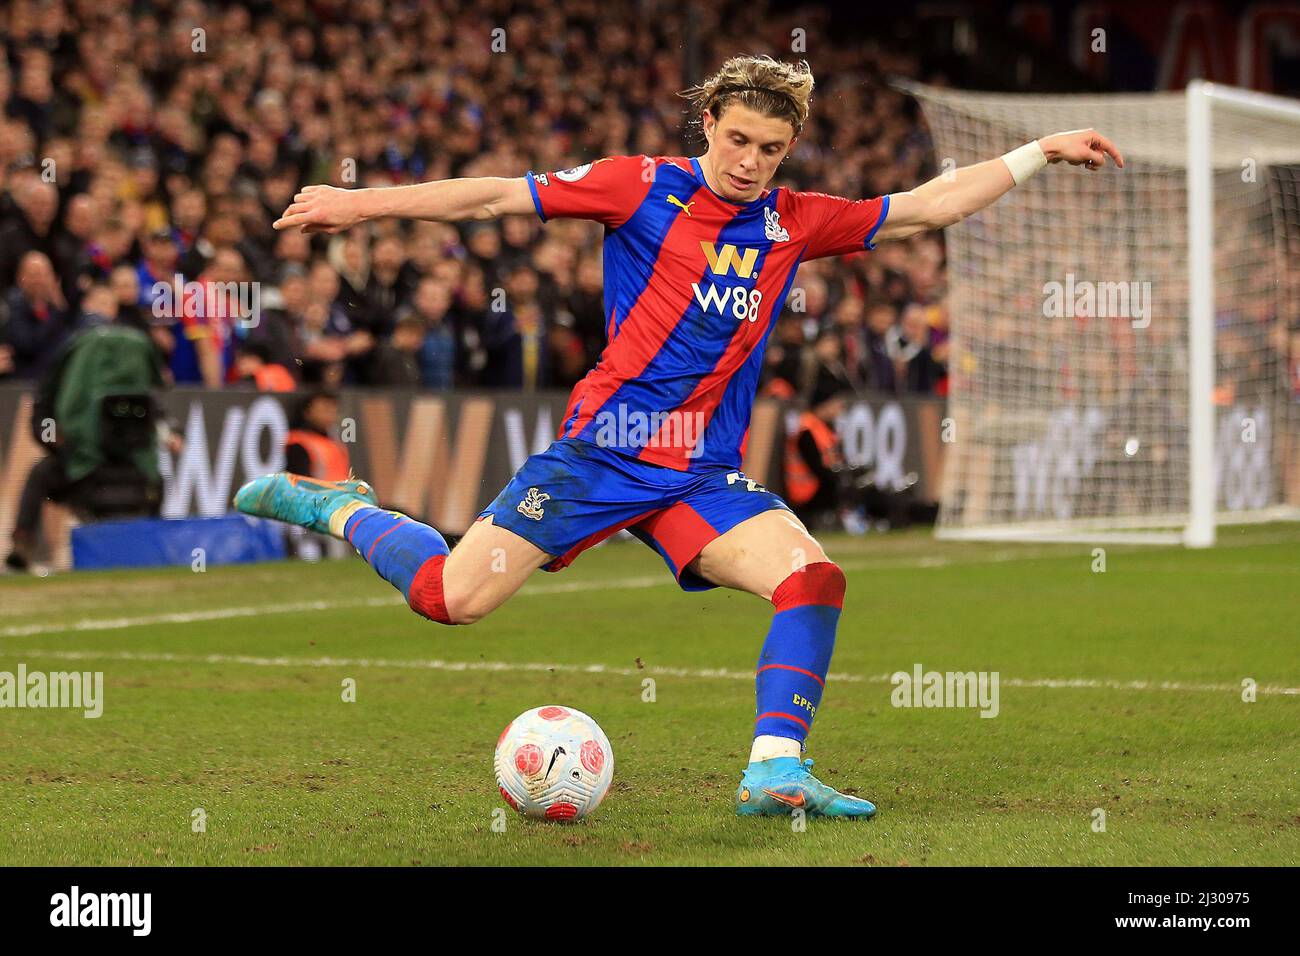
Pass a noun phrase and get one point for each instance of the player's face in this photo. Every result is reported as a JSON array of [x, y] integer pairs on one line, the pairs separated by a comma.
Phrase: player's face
[[745, 148]]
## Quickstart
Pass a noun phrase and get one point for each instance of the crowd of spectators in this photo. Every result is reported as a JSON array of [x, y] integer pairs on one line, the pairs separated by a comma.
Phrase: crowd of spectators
[[144, 141]]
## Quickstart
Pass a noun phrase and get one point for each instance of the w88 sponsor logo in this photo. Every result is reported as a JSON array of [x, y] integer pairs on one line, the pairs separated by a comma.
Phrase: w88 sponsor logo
[[742, 303]]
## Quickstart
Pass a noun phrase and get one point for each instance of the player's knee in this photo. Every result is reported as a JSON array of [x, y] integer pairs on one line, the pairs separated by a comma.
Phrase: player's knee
[[464, 605], [465, 614], [821, 582], [428, 595]]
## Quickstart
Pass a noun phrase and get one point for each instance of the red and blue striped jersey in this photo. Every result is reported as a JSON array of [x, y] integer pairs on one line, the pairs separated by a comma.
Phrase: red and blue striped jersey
[[693, 286]]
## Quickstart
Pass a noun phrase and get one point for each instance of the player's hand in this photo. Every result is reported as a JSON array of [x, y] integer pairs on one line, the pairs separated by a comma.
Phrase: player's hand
[[1081, 147], [322, 209]]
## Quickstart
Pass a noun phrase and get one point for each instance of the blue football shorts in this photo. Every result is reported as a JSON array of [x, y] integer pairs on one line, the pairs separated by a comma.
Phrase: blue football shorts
[[576, 494]]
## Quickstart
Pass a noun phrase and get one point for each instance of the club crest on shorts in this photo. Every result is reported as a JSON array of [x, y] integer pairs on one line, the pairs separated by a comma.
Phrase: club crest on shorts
[[531, 506], [772, 227]]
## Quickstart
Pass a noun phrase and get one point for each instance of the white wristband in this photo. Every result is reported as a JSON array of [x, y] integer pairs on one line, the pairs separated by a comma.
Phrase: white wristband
[[1024, 161]]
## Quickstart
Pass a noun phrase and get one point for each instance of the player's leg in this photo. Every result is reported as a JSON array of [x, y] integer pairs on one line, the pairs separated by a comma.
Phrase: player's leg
[[485, 568], [560, 502], [732, 532], [759, 554], [459, 586], [772, 555], [488, 565]]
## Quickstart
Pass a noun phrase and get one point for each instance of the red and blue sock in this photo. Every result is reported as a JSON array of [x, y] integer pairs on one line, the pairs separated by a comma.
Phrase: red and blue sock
[[797, 653], [405, 553]]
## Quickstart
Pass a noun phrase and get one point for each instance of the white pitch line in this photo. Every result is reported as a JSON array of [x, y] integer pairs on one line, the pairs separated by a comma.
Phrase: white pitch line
[[544, 588], [191, 617], [534, 667], [529, 590], [299, 607]]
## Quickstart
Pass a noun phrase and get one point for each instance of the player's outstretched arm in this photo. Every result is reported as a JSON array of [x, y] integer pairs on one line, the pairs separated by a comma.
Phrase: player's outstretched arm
[[330, 209], [951, 197]]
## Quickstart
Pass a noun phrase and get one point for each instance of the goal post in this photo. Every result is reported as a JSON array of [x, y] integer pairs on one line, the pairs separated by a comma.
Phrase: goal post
[[1202, 100], [1124, 343]]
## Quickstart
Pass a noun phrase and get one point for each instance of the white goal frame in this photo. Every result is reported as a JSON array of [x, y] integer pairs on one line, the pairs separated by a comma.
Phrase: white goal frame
[[1197, 526], [1201, 98]]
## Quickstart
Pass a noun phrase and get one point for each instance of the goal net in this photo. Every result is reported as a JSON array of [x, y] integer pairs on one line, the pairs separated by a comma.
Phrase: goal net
[[1124, 342]]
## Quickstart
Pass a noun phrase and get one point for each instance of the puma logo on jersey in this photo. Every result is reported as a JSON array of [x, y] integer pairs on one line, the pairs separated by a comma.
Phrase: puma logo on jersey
[[531, 506], [683, 206]]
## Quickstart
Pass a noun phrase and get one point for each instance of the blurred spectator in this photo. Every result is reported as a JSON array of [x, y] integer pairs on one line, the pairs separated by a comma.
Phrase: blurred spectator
[[32, 230], [567, 359], [388, 287], [855, 345], [515, 336], [816, 304], [75, 262], [37, 317], [908, 345], [98, 307], [812, 456], [879, 365], [188, 212], [125, 284], [203, 319], [823, 371], [784, 358], [179, 164], [483, 240], [253, 364], [323, 287], [105, 251], [279, 331], [437, 352], [157, 265], [396, 361], [586, 303], [310, 445]]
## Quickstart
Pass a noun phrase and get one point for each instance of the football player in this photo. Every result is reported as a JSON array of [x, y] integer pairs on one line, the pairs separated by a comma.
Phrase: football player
[[700, 253]]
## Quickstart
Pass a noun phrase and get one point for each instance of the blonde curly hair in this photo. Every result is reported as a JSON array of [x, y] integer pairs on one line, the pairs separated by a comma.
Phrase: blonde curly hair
[[767, 86]]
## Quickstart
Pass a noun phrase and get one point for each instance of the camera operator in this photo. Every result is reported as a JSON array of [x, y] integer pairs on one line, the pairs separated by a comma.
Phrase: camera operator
[[94, 415]]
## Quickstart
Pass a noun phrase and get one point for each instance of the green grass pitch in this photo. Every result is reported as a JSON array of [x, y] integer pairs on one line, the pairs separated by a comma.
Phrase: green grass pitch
[[1121, 691]]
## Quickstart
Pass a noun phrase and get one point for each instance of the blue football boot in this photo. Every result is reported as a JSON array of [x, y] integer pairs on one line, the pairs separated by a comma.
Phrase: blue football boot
[[779, 786], [297, 499]]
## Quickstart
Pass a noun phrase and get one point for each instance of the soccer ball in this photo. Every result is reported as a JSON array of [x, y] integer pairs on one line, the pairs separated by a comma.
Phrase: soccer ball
[[553, 763]]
